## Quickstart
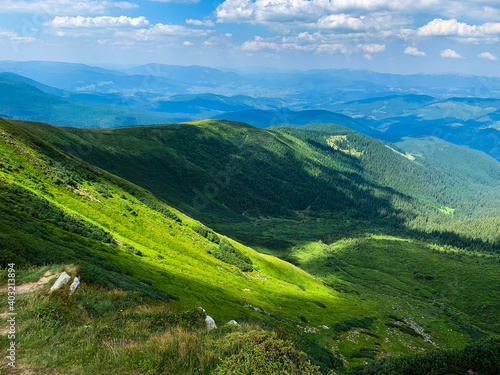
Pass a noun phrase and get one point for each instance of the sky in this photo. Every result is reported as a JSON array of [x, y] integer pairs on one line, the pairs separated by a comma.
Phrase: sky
[[398, 36]]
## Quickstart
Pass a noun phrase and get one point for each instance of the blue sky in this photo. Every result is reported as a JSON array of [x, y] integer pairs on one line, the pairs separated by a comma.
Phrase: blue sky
[[404, 36]]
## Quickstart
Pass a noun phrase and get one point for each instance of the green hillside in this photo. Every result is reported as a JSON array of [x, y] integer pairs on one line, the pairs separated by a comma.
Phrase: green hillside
[[270, 187], [370, 282]]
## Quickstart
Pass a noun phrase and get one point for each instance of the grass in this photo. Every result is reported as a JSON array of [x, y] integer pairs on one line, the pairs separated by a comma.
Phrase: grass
[[114, 332]]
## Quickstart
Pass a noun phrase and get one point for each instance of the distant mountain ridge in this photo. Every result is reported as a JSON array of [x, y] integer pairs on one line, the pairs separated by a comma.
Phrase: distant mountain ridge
[[459, 109], [265, 119]]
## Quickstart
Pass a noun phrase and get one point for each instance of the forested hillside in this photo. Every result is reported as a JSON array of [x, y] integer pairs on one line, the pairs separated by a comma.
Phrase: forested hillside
[[256, 183]]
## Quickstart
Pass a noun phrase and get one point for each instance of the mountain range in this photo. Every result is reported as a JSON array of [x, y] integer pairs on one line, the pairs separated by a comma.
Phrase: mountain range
[[84, 96]]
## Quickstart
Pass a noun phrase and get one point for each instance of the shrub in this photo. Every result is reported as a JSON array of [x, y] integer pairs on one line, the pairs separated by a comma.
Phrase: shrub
[[262, 353], [229, 254], [354, 323]]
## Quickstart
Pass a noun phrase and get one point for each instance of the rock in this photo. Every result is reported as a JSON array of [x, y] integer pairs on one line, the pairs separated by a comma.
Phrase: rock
[[210, 323], [74, 285], [233, 322], [62, 280]]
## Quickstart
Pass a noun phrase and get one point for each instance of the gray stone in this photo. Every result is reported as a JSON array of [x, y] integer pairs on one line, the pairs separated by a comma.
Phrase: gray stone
[[233, 322], [210, 323], [61, 281], [74, 285]]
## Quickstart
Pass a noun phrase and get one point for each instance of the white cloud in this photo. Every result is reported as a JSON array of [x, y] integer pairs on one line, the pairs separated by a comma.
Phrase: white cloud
[[97, 22], [15, 37], [451, 54], [332, 48], [372, 48], [488, 56], [187, 43], [264, 11], [160, 30], [440, 27], [126, 28], [413, 51], [208, 23], [63, 7], [367, 56], [175, 1], [259, 43], [340, 21], [462, 31]]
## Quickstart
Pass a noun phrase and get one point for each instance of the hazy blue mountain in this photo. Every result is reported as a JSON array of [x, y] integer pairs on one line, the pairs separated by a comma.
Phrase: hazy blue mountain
[[23, 101], [211, 104], [298, 88], [193, 73], [457, 108]]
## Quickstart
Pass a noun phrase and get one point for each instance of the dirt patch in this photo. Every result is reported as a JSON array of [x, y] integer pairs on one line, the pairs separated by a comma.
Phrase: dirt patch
[[31, 287]]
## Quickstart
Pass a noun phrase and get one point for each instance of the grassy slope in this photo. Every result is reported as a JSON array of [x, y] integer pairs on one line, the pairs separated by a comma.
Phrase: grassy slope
[[96, 331], [355, 291], [187, 270]]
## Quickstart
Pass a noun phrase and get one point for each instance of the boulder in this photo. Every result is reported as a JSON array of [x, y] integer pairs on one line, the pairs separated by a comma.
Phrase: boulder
[[62, 280], [74, 285], [233, 322], [210, 323]]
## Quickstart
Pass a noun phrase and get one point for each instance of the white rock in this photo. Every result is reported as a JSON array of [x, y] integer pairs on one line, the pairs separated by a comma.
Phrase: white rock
[[74, 285], [62, 280], [325, 327], [210, 323], [233, 322]]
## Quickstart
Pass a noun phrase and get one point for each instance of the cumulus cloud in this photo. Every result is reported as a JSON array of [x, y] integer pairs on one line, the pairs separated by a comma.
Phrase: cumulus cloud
[[413, 51], [315, 42], [488, 56], [63, 7], [208, 23], [332, 48], [97, 22], [264, 11], [175, 1], [15, 37], [160, 30], [440, 27], [451, 54], [340, 21], [460, 30], [372, 48], [259, 44], [126, 28]]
